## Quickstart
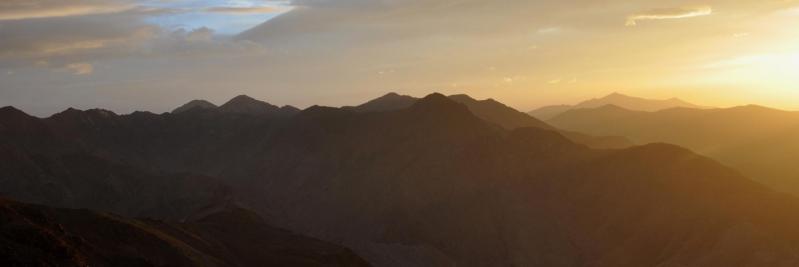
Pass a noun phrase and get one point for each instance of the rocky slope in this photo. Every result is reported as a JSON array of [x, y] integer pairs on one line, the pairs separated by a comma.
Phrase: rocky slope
[[33, 235]]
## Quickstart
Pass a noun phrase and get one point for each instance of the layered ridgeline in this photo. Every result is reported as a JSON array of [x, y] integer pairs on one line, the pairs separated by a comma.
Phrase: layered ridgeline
[[242, 104], [760, 142], [101, 161], [494, 112], [616, 99], [432, 184]]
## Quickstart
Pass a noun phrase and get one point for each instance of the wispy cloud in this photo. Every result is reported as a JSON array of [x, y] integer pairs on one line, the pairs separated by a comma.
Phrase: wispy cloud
[[550, 30], [243, 10], [31, 9], [669, 13], [779, 60], [80, 68]]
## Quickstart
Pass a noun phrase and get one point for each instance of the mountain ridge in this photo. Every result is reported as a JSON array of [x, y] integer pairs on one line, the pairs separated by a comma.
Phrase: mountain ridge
[[494, 112], [195, 104], [241, 104], [430, 184], [763, 150], [617, 99]]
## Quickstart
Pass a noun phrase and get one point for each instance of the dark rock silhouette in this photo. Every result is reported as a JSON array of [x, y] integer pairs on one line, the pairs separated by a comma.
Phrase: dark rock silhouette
[[432, 184], [495, 112], [247, 105], [195, 104], [388, 102], [33, 235], [242, 105]]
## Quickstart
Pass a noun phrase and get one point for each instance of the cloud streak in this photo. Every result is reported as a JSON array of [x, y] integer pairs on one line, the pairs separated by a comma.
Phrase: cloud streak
[[669, 13], [25, 9], [242, 10], [80, 68]]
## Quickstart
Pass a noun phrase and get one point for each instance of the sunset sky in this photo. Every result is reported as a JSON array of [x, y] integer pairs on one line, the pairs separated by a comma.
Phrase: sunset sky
[[157, 54]]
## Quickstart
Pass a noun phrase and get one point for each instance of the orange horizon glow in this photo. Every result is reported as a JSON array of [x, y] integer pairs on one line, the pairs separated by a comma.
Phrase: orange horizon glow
[[526, 54]]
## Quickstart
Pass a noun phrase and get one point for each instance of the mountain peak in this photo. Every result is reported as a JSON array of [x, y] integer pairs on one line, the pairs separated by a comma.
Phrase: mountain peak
[[12, 117], [12, 112], [435, 98], [195, 104], [290, 108], [390, 101], [240, 98], [101, 112], [617, 95], [634, 103], [244, 104], [9, 109], [438, 102], [67, 113], [77, 115], [391, 95]]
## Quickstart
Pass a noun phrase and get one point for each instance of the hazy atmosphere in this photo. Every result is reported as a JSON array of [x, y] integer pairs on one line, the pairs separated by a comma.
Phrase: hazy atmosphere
[[399, 133], [154, 55]]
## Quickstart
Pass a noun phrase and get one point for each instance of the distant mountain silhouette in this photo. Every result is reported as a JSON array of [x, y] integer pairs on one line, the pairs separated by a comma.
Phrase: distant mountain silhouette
[[33, 235], [495, 112], [241, 104], [289, 110], [616, 99], [548, 112], [388, 102], [489, 110], [247, 105], [432, 184], [635, 103], [198, 104], [758, 141]]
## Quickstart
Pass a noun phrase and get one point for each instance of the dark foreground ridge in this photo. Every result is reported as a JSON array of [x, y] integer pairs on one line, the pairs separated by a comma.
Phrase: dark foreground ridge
[[33, 235]]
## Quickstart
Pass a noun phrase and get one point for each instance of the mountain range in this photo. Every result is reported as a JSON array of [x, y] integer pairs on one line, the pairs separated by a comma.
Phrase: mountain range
[[758, 141], [616, 99], [440, 182], [494, 112], [241, 104]]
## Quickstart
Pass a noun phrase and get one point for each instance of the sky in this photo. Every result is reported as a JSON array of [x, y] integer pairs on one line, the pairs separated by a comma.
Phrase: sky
[[128, 55]]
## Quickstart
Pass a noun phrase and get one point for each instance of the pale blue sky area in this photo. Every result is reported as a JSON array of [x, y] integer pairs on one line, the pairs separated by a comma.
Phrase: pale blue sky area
[[192, 14]]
